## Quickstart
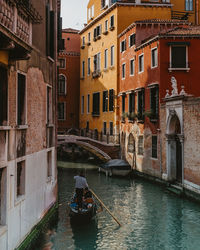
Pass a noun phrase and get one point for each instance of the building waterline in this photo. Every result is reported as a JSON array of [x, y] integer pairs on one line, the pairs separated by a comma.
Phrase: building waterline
[[151, 217]]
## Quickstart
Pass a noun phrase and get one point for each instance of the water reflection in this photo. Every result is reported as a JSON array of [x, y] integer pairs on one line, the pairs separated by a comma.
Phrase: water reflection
[[151, 218]]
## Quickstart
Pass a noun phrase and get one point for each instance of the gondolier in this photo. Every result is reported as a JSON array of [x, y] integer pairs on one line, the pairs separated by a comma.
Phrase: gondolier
[[80, 184]]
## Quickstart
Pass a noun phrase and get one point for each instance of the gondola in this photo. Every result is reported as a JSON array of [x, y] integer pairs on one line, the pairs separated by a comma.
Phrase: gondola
[[86, 213], [116, 167]]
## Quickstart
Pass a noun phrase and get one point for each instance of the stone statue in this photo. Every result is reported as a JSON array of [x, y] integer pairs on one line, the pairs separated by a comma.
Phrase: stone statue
[[174, 86]]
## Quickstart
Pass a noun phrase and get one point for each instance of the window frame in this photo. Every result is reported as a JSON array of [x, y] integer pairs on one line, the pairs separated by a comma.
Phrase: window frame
[[123, 46], [140, 56], [123, 71], [83, 69], [129, 40], [88, 66], [106, 59], [171, 66], [25, 100], [65, 89], [153, 149], [140, 149], [64, 111], [156, 58], [82, 104], [112, 55], [88, 104], [132, 60], [60, 64]]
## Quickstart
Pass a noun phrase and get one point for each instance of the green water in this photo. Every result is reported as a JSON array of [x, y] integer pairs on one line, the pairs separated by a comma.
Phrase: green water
[[151, 217]]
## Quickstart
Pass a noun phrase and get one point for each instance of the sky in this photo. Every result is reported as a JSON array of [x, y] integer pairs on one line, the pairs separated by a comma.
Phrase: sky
[[74, 13]]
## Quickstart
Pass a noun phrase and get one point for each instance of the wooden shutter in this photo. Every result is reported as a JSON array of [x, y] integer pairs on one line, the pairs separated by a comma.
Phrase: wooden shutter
[[3, 96]]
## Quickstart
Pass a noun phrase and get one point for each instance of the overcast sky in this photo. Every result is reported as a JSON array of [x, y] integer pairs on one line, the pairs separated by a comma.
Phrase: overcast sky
[[74, 13]]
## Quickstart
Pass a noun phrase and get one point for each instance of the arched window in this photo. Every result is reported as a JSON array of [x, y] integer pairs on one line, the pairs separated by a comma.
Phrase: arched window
[[131, 144], [62, 85]]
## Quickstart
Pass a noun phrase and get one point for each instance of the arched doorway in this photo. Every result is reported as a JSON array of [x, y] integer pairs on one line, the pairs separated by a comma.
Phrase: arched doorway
[[175, 149], [131, 148]]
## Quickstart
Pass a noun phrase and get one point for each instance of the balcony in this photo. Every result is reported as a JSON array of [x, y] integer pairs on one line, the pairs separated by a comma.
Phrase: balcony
[[96, 74], [16, 19]]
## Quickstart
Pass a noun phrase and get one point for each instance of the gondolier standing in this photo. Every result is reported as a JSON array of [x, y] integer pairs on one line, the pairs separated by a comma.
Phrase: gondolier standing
[[80, 184]]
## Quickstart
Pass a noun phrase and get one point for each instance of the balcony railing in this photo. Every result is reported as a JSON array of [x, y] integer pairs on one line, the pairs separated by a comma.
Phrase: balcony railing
[[17, 17]]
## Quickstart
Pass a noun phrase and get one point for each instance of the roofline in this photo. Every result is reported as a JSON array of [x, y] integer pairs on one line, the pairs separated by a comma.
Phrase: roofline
[[160, 36], [112, 7], [159, 21]]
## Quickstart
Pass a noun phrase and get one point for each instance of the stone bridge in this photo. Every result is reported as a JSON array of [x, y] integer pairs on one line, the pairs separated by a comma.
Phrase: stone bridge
[[102, 150]]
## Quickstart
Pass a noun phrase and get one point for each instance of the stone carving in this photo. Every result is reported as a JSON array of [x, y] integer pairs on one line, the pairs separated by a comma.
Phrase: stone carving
[[182, 90], [174, 86]]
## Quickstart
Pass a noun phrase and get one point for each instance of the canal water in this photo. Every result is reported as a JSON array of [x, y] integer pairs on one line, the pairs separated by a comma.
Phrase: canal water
[[151, 217]]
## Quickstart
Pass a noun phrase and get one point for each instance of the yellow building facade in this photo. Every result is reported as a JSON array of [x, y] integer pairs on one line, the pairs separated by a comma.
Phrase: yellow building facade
[[99, 63]]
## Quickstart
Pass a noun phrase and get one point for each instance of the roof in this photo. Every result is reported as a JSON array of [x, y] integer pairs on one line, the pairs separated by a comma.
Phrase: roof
[[153, 21], [188, 32], [123, 3], [70, 30]]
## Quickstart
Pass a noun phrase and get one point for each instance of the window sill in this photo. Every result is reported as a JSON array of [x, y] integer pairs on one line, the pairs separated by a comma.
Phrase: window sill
[[112, 28], [82, 78], [153, 67], [50, 125], [140, 72], [154, 159], [51, 59], [96, 115], [5, 127], [153, 120], [178, 69], [83, 47], [140, 121], [19, 199], [112, 67], [3, 229], [89, 43], [105, 69], [105, 32], [22, 127]]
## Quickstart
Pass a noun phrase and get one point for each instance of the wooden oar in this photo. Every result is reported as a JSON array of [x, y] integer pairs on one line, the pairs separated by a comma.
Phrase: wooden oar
[[105, 207]]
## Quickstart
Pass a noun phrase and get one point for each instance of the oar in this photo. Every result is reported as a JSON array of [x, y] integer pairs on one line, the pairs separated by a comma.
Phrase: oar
[[105, 207]]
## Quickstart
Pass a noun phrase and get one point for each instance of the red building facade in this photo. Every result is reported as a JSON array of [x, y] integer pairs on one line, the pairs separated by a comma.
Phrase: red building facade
[[68, 86], [150, 65]]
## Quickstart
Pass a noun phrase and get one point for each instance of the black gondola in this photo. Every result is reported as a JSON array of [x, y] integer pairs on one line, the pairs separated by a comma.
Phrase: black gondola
[[86, 213]]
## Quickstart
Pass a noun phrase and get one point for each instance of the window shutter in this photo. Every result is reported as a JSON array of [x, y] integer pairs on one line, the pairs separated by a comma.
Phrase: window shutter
[[47, 29]]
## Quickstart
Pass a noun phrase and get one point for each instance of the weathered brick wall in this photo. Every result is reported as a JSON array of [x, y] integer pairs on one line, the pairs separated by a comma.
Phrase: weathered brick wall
[[192, 140]]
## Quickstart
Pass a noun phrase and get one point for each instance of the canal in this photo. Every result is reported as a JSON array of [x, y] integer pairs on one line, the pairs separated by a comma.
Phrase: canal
[[152, 218]]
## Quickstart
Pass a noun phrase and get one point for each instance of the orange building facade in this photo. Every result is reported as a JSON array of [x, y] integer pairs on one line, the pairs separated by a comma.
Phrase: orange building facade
[[157, 74], [68, 85]]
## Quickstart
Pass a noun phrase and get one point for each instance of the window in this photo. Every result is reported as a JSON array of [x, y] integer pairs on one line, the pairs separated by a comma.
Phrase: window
[[132, 67], [61, 111], [88, 104], [62, 85], [104, 128], [82, 104], [111, 128], [83, 41], [123, 103], [141, 63], [105, 59], [21, 100], [123, 70], [112, 56], [89, 37], [49, 105], [88, 66], [140, 145], [178, 57], [103, 3], [154, 57], [20, 178], [154, 102], [123, 46], [97, 32], [3, 96], [131, 40], [50, 31], [97, 59], [131, 103], [49, 164], [3, 192], [111, 22], [92, 11], [96, 104], [131, 144], [154, 146], [189, 5], [141, 104], [111, 99], [83, 69], [105, 101], [106, 25], [62, 63]]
